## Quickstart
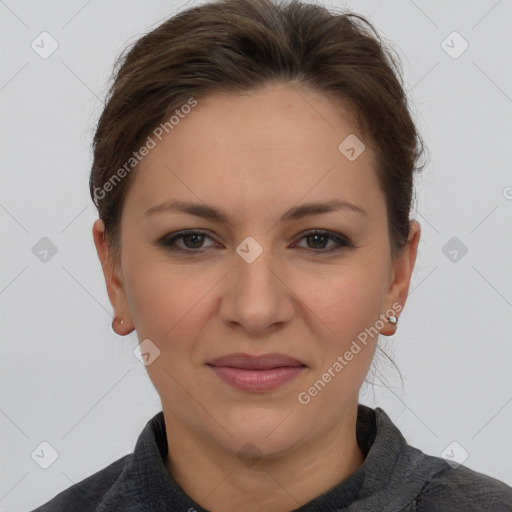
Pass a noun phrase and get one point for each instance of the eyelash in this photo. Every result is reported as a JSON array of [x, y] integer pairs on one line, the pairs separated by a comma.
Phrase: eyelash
[[169, 240]]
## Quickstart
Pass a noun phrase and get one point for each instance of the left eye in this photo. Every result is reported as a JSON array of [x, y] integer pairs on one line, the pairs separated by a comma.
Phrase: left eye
[[321, 237]]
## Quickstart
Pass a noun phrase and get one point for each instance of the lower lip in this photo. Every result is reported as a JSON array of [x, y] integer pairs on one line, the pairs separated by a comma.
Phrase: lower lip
[[257, 380]]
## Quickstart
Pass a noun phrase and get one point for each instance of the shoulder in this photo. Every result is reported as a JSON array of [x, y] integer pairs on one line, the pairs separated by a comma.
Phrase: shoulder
[[421, 482], [462, 489], [126, 482], [87, 494]]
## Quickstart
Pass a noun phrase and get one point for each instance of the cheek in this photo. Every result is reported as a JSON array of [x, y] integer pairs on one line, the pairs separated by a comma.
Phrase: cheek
[[163, 297], [347, 307], [347, 302]]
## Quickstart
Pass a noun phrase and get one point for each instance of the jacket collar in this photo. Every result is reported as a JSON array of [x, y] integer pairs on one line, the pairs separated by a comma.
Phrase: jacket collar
[[145, 484]]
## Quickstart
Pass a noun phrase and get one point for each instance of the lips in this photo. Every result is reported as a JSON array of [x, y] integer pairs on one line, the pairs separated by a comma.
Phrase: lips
[[257, 374], [263, 362]]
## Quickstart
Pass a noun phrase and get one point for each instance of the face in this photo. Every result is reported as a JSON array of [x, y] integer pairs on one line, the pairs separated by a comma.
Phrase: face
[[258, 280]]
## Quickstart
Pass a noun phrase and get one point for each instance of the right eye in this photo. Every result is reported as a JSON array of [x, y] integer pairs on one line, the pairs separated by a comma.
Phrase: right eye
[[192, 240]]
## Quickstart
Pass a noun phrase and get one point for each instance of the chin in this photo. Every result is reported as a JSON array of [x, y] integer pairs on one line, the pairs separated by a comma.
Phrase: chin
[[269, 431]]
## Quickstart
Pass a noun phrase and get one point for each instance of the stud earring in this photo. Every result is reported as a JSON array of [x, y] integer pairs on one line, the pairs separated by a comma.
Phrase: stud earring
[[118, 321], [393, 320]]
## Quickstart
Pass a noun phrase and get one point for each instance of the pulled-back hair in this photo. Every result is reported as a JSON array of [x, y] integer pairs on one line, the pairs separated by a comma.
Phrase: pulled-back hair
[[240, 46]]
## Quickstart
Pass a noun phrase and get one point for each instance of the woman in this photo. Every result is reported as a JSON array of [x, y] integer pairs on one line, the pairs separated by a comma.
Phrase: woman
[[253, 173]]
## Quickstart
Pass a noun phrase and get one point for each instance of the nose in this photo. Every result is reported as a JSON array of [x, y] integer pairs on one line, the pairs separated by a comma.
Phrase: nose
[[257, 295]]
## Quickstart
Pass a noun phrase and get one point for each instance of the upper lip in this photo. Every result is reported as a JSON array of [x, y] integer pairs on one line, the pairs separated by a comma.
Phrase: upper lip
[[262, 362]]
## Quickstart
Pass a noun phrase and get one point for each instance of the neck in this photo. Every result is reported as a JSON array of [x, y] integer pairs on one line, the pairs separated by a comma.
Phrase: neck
[[216, 478]]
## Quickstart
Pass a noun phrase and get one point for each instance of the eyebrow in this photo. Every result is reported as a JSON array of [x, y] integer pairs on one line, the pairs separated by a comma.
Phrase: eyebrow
[[212, 213]]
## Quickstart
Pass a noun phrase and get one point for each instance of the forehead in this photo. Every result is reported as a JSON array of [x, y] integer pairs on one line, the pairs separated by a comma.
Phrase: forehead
[[277, 144]]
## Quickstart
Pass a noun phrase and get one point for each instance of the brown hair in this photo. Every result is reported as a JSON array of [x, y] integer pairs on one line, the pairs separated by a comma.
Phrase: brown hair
[[239, 46]]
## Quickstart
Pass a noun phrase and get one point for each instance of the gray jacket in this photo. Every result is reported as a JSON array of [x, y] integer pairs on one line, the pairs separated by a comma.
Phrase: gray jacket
[[395, 477]]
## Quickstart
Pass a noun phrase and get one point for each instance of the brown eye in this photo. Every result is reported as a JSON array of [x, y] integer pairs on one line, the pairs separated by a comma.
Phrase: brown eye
[[191, 241], [317, 241], [195, 239]]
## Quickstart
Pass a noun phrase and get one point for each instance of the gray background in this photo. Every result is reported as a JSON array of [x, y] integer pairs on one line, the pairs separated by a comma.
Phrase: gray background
[[67, 379]]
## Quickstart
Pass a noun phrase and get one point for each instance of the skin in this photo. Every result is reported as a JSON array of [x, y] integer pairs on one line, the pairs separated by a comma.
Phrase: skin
[[255, 156]]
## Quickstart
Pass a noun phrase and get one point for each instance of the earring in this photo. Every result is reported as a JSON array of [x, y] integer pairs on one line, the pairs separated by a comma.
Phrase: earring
[[393, 320], [116, 320]]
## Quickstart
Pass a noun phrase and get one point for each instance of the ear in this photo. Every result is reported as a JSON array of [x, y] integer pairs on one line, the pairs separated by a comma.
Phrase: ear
[[113, 281], [400, 278]]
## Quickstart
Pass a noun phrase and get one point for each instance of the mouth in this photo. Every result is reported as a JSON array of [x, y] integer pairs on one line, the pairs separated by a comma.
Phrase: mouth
[[257, 373]]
